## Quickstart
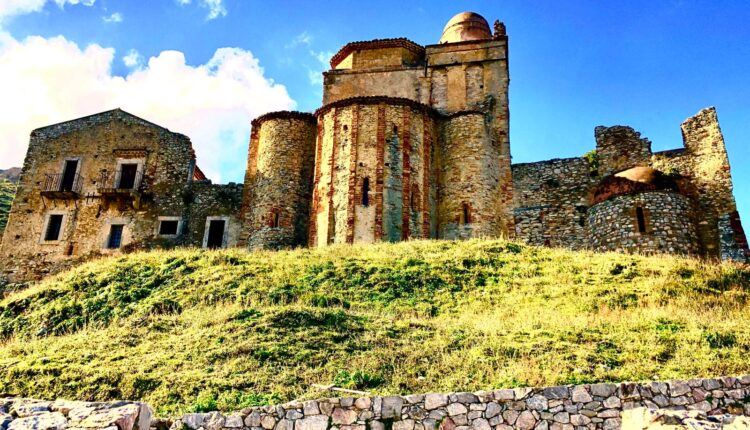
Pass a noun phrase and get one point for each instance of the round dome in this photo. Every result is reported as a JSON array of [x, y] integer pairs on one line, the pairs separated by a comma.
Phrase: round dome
[[466, 26], [631, 181]]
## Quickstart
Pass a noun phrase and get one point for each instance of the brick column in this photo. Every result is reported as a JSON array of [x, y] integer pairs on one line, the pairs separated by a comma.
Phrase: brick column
[[313, 230], [332, 173]]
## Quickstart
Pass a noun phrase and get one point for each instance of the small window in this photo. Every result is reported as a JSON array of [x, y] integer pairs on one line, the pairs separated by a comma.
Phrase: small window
[[54, 227], [366, 192], [641, 218], [168, 228], [274, 219], [465, 214], [115, 236]]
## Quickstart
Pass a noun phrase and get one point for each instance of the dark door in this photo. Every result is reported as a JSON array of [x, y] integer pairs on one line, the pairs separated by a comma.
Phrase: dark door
[[215, 234], [127, 176], [69, 175]]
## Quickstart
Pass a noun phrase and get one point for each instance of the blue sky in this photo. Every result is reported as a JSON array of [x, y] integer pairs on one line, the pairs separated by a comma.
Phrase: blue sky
[[574, 64]]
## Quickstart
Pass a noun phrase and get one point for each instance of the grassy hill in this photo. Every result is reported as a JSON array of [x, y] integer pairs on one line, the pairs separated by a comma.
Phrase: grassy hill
[[190, 329], [7, 191]]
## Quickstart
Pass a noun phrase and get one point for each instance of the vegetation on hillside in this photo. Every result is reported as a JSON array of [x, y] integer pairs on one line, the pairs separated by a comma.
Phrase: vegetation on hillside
[[192, 329], [7, 192]]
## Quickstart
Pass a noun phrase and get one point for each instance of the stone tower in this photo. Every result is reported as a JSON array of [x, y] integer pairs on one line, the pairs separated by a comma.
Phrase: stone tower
[[413, 141], [279, 172]]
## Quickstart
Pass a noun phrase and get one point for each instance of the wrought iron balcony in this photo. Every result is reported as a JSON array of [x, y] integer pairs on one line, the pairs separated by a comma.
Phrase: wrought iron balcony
[[62, 185]]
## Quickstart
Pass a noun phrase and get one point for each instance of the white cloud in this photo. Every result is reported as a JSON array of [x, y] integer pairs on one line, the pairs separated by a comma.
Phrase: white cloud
[[133, 59], [9, 8], [45, 81], [303, 38], [315, 74], [115, 17], [215, 8]]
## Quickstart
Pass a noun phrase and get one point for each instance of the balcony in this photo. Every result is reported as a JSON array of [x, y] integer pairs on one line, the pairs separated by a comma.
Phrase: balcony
[[123, 185], [62, 186]]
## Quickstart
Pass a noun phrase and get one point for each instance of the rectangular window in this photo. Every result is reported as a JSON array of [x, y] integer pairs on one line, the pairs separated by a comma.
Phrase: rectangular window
[[115, 236], [366, 192], [54, 227], [641, 217], [168, 228]]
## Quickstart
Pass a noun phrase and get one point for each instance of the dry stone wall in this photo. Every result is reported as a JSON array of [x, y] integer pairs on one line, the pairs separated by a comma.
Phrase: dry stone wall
[[568, 407], [596, 406]]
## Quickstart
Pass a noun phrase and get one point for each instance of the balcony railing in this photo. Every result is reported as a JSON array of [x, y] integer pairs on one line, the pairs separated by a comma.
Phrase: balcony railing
[[62, 185], [120, 181]]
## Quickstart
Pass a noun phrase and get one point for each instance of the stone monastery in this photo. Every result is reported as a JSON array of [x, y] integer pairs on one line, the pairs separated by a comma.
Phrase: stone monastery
[[411, 142]]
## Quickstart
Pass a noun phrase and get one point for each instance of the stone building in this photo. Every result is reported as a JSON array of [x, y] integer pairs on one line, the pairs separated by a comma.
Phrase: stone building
[[108, 182], [411, 142]]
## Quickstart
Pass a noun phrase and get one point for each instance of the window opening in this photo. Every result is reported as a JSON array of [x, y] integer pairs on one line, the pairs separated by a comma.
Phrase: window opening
[[128, 174], [641, 219], [115, 236], [54, 226], [168, 227], [69, 175], [366, 192], [465, 214]]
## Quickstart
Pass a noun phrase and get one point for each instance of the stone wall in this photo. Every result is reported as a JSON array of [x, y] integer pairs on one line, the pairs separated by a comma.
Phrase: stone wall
[[668, 221], [279, 180], [551, 201]]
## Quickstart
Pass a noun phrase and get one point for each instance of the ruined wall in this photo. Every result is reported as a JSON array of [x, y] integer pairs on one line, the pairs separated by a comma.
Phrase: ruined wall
[[374, 174], [98, 143], [552, 198], [704, 162], [551, 201], [278, 181], [619, 148], [668, 218]]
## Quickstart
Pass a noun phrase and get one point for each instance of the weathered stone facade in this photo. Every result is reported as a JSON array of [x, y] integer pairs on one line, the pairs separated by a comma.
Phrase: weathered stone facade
[[411, 142], [567, 407], [589, 202], [107, 183]]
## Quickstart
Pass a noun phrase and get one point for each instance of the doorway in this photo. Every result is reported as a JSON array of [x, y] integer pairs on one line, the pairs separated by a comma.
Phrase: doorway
[[68, 179], [216, 234], [128, 173]]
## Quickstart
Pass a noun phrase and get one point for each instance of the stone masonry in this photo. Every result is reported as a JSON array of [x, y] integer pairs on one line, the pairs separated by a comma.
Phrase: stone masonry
[[568, 407], [411, 142]]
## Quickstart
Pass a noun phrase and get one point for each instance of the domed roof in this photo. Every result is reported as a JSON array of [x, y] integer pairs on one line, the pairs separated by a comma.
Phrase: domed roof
[[466, 26], [634, 180]]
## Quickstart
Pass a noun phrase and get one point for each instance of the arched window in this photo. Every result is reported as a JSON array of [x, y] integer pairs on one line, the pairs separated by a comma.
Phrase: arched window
[[366, 192]]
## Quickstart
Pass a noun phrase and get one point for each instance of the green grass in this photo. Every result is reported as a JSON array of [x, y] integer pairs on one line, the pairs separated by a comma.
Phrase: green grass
[[194, 330], [7, 191]]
